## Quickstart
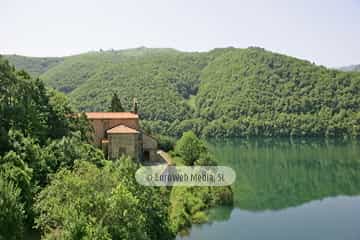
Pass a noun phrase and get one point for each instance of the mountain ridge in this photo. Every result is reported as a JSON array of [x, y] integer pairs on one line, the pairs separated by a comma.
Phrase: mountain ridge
[[233, 92]]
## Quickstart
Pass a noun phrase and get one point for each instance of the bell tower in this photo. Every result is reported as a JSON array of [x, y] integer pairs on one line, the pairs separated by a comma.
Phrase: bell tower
[[135, 106]]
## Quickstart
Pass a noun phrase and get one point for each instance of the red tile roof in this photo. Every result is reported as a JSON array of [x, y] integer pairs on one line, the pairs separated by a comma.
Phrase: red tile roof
[[111, 115], [121, 129]]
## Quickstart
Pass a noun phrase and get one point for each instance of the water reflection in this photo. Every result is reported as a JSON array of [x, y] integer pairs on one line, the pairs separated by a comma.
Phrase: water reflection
[[279, 173], [287, 189]]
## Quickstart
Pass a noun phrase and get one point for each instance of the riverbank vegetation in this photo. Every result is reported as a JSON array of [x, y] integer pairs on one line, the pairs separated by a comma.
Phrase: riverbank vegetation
[[190, 204]]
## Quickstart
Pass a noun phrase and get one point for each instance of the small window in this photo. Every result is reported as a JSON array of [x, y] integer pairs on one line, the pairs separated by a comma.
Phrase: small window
[[122, 151], [146, 155]]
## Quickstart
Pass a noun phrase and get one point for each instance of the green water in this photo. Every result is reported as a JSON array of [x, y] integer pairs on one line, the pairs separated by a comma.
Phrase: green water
[[288, 189]]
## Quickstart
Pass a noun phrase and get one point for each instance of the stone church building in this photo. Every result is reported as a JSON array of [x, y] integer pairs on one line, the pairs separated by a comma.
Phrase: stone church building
[[119, 133]]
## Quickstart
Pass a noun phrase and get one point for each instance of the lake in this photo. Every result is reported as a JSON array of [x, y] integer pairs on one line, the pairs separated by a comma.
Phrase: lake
[[287, 189]]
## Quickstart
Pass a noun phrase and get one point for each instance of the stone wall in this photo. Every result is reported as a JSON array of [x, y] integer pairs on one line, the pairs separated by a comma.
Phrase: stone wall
[[102, 125], [127, 144], [149, 148]]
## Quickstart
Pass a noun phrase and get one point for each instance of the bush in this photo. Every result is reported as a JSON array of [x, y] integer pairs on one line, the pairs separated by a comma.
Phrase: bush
[[103, 201], [165, 143], [12, 214], [189, 147], [199, 217]]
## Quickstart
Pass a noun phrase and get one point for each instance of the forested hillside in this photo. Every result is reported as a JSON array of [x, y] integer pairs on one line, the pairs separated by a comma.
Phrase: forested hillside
[[223, 92], [44, 156], [255, 92], [55, 184], [35, 66]]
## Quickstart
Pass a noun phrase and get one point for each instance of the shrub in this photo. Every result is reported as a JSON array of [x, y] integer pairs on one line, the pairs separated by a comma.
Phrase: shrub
[[165, 143], [12, 214], [189, 147]]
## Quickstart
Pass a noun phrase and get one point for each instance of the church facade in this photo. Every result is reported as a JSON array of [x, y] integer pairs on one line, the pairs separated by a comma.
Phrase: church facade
[[119, 133]]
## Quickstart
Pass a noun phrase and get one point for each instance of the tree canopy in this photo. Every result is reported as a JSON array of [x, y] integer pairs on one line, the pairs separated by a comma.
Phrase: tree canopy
[[101, 203], [115, 105], [52, 179], [45, 155], [189, 147], [12, 214], [221, 93]]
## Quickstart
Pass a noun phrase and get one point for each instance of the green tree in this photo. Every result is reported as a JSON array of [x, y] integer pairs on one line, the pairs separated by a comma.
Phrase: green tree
[[82, 125], [189, 147], [14, 169], [165, 143], [157, 199], [12, 214], [96, 197], [62, 153], [28, 106], [103, 201], [115, 105]]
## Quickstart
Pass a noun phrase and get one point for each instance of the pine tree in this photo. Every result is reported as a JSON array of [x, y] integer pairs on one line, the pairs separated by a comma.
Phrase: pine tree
[[116, 104]]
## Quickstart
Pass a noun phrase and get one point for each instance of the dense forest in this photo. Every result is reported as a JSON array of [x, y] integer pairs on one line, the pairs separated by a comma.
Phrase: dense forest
[[55, 184], [221, 93], [35, 66]]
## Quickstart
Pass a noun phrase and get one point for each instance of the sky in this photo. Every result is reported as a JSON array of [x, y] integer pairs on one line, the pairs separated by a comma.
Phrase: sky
[[326, 32]]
